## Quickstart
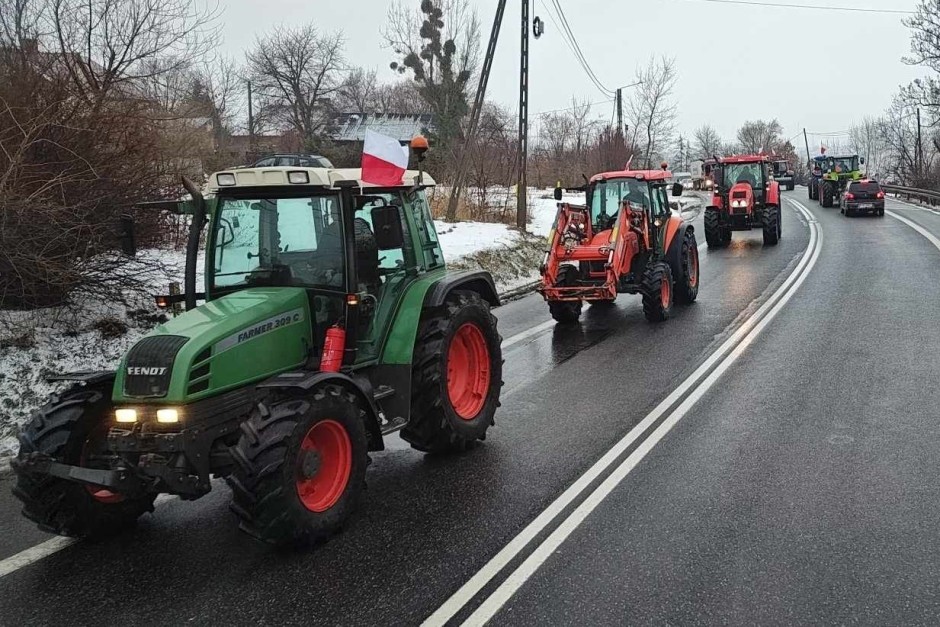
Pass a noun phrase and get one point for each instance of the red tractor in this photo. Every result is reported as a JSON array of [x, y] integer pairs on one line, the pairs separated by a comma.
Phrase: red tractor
[[625, 240], [746, 197]]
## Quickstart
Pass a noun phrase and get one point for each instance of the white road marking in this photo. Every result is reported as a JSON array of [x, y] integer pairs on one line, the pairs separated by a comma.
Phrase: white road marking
[[930, 236], [521, 337], [44, 549], [728, 351]]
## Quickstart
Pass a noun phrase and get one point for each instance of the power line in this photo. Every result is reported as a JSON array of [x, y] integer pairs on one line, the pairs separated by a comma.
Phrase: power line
[[588, 104], [570, 41], [809, 6], [574, 40]]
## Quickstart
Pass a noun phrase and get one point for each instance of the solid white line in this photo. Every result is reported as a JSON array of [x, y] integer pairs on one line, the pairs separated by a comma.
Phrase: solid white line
[[930, 236], [476, 583], [44, 549], [508, 588]]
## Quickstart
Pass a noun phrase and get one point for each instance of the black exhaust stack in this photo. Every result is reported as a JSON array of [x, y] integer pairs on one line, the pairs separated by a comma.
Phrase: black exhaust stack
[[192, 244]]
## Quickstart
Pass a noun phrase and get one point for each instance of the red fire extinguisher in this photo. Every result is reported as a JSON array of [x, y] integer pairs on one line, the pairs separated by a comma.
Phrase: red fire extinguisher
[[333, 347]]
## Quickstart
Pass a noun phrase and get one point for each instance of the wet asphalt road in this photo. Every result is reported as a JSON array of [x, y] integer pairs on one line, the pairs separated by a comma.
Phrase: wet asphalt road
[[799, 489]]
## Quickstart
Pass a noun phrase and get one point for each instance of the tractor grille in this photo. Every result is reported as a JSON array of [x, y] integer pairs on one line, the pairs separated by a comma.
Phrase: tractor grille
[[150, 365]]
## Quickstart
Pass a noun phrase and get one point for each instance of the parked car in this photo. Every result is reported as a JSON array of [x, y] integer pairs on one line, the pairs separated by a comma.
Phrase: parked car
[[863, 196], [293, 160]]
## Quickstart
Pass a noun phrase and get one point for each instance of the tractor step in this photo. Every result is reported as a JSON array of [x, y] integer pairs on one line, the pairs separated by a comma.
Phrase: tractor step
[[383, 391], [391, 426]]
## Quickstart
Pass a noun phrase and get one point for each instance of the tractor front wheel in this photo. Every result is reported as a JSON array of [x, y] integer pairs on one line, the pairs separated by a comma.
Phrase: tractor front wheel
[[72, 428], [457, 376], [300, 466], [687, 282], [713, 235], [771, 225], [657, 291], [566, 311]]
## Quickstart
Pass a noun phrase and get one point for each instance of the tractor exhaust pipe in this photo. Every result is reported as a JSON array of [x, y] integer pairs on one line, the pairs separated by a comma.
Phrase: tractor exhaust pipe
[[192, 244]]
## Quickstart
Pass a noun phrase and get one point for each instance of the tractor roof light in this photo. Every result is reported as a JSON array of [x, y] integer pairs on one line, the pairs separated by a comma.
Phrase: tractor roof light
[[298, 178], [226, 179]]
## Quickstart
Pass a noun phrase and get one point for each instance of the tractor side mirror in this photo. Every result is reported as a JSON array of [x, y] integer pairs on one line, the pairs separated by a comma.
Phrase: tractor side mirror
[[128, 236], [558, 193], [386, 221], [862, 161], [677, 189]]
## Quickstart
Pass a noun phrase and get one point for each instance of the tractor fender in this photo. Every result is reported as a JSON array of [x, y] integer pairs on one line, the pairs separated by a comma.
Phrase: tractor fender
[[306, 380], [478, 281], [673, 226], [773, 194], [674, 249]]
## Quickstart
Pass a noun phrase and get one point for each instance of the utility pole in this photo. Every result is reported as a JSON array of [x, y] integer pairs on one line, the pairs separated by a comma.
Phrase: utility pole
[[806, 139], [475, 113], [251, 124], [620, 112], [522, 190], [919, 156]]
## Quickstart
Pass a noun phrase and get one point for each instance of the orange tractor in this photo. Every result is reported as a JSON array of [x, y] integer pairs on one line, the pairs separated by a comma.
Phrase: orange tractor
[[625, 240], [746, 197]]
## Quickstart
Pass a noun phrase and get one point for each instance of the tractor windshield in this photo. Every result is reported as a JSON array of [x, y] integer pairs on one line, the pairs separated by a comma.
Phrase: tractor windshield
[[607, 196], [279, 241], [750, 173], [843, 164]]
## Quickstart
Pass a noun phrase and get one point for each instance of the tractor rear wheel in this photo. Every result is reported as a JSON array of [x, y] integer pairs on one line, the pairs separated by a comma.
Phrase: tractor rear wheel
[[566, 311], [827, 195], [771, 225], [713, 235], [456, 377], [657, 291], [687, 281], [300, 466], [72, 428]]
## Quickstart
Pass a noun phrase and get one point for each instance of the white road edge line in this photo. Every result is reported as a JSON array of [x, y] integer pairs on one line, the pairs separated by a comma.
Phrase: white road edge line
[[476, 583], [44, 549], [521, 337], [930, 236]]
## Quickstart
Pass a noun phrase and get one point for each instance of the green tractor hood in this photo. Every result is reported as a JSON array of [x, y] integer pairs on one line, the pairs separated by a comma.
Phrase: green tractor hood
[[224, 344]]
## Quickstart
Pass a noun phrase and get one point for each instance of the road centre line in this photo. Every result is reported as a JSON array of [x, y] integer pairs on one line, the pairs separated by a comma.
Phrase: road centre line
[[688, 392]]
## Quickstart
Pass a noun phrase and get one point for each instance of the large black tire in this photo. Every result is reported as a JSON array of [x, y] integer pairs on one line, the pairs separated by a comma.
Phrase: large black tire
[[713, 231], [440, 423], [278, 451], [827, 195], [566, 311], [771, 225], [688, 276], [63, 429], [791, 187], [812, 190], [657, 291]]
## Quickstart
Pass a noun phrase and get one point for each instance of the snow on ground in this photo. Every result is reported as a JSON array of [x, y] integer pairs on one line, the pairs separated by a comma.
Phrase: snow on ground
[[459, 239]]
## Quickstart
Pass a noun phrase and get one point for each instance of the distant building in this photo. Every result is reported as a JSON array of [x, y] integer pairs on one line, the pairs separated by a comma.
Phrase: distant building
[[348, 128]]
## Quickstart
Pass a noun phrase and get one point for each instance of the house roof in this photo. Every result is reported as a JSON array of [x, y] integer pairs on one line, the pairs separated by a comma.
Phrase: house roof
[[353, 126]]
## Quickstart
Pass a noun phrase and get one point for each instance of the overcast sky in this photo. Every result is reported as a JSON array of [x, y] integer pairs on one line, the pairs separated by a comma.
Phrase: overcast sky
[[808, 68]]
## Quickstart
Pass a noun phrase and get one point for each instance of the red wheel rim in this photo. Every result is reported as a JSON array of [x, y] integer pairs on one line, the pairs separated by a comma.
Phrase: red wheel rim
[[693, 266], [665, 293], [468, 371], [324, 465], [97, 492]]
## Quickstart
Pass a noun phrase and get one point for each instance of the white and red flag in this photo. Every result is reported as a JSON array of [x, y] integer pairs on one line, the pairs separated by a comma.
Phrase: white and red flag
[[384, 160]]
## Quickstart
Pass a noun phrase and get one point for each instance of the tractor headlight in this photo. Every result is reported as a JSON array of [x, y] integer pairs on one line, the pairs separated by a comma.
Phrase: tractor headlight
[[298, 178], [738, 204], [125, 415], [225, 180], [168, 416]]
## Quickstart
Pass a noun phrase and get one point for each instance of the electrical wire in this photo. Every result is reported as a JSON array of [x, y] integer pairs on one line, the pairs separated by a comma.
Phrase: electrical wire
[[574, 40], [809, 6], [570, 41]]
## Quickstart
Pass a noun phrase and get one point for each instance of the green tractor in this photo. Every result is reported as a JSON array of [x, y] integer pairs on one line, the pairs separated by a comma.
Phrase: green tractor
[[836, 174], [329, 322]]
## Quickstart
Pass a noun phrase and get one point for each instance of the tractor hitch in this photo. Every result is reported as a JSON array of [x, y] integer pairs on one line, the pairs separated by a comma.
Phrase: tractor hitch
[[121, 481]]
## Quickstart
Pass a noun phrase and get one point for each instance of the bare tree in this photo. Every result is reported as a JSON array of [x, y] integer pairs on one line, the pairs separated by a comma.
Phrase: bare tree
[[295, 70], [105, 45], [401, 97], [707, 142], [358, 93], [652, 107], [439, 47], [756, 136]]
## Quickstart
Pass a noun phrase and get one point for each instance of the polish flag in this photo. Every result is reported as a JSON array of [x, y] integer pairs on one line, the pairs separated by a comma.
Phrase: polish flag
[[384, 160]]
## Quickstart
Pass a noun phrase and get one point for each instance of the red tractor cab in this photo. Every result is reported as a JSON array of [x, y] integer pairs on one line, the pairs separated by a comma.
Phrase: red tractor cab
[[624, 240], [746, 197]]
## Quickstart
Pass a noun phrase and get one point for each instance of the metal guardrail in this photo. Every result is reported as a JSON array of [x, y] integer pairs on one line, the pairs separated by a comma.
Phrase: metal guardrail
[[928, 196]]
